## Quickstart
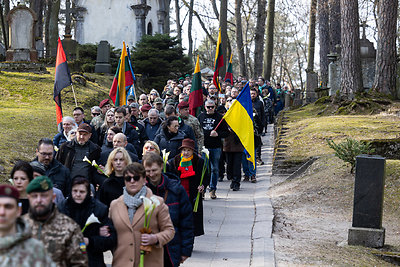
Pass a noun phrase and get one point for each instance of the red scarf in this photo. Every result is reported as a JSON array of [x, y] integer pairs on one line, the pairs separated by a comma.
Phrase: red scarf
[[186, 169]]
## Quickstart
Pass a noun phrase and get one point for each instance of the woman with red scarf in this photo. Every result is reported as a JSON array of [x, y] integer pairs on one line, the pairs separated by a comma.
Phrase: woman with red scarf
[[188, 166]]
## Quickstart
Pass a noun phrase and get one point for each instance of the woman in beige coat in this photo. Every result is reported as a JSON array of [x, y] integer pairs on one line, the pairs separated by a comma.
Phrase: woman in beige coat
[[127, 214]]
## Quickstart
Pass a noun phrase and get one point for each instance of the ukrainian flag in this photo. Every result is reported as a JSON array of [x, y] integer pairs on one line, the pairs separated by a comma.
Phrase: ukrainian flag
[[240, 118]]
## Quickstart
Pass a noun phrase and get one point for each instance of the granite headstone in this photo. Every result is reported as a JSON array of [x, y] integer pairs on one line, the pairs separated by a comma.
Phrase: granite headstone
[[103, 58]]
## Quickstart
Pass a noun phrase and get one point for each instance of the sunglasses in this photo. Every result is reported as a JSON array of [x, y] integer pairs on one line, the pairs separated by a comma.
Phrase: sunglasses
[[129, 178], [210, 107], [95, 114]]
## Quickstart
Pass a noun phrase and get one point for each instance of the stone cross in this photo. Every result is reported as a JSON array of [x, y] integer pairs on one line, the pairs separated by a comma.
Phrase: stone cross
[[68, 11], [364, 26]]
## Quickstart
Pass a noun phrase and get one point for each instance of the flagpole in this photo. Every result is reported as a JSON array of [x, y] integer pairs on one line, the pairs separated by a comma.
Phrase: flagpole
[[73, 91]]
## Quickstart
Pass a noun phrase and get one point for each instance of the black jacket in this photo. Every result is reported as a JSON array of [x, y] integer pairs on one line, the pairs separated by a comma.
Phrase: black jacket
[[80, 213], [112, 188], [170, 142], [259, 107], [66, 155]]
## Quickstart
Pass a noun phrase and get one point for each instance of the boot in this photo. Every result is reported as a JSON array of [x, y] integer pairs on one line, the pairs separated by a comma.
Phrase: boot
[[253, 179], [212, 194]]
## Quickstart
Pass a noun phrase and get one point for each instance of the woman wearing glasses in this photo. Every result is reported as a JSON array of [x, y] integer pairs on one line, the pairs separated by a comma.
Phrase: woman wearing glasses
[[127, 214]]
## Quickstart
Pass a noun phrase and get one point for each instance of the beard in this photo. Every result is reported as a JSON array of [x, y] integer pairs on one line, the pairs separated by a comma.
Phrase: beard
[[43, 212]]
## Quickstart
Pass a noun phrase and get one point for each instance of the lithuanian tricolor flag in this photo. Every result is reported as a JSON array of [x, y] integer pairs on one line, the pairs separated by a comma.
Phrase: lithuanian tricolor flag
[[218, 63], [123, 80], [229, 73], [196, 92]]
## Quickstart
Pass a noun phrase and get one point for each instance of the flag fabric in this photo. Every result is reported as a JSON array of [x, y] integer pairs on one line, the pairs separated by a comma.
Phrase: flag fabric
[[131, 90], [196, 91], [123, 80], [240, 118], [62, 79], [229, 73], [218, 63]]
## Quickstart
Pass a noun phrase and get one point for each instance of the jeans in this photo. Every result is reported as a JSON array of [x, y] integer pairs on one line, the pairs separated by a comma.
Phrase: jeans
[[248, 168], [215, 154]]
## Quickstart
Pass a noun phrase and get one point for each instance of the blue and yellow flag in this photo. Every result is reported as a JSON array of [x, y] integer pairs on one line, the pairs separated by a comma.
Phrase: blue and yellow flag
[[240, 118]]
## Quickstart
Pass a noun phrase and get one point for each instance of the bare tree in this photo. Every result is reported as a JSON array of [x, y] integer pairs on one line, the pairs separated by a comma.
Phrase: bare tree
[[37, 6], [190, 49], [269, 46], [351, 77], [259, 37], [311, 36], [239, 38], [323, 19], [334, 25], [178, 21], [223, 23], [386, 65]]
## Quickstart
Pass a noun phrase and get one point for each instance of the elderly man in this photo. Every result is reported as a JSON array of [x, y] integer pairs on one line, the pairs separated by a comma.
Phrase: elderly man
[[17, 246], [120, 140], [79, 116], [60, 235], [59, 174], [193, 122], [130, 99], [143, 99], [72, 153], [152, 123], [68, 124], [99, 120]]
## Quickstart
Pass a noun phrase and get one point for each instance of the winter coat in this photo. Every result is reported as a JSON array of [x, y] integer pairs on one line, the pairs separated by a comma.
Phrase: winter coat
[[132, 135], [181, 214], [59, 139], [232, 143], [152, 130], [80, 213], [169, 142], [112, 188], [259, 107], [194, 182], [66, 155], [59, 175], [20, 249], [127, 252]]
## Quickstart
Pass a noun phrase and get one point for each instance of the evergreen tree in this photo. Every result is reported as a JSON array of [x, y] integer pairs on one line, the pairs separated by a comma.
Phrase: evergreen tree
[[159, 58]]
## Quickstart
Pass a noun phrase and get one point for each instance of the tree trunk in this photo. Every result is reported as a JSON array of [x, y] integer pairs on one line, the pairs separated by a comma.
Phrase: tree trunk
[[323, 18], [351, 79], [269, 46], [259, 38], [49, 6], [190, 49], [37, 6], [215, 9], [311, 36], [6, 4], [223, 24], [239, 38], [386, 65], [53, 26], [334, 25], [178, 22]]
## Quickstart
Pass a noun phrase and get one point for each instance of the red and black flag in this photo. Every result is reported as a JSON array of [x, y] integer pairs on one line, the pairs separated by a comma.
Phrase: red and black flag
[[218, 63], [62, 80]]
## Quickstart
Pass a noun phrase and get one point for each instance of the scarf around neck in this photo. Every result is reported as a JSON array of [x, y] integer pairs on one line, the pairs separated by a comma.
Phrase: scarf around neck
[[134, 202], [186, 167]]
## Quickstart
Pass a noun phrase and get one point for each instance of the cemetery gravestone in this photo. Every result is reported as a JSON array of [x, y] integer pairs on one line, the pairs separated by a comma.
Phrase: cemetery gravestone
[[311, 84], [368, 202], [21, 21], [103, 58]]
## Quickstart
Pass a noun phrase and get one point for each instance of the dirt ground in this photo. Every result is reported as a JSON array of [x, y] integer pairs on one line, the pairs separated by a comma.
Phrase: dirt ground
[[313, 213]]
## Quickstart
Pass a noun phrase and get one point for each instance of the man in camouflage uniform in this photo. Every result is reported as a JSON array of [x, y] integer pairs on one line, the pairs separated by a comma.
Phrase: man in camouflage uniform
[[17, 247], [193, 122], [61, 236]]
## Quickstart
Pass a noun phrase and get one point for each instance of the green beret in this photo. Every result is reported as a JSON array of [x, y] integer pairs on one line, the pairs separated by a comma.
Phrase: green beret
[[39, 184]]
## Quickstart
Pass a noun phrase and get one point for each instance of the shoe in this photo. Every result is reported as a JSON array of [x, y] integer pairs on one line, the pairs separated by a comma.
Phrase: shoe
[[212, 194], [231, 186], [260, 162], [246, 178], [236, 188], [220, 179], [253, 179]]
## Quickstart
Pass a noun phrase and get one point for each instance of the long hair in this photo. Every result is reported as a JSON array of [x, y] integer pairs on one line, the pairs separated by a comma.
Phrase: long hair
[[109, 166]]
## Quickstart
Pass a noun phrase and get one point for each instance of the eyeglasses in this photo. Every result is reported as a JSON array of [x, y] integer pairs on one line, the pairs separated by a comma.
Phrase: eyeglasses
[[129, 178], [95, 114], [210, 107], [46, 154], [153, 94]]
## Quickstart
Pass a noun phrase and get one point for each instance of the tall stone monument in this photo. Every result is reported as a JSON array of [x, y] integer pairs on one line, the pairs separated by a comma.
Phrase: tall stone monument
[[21, 21], [311, 85], [369, 186], [103, 58], [141, 11]]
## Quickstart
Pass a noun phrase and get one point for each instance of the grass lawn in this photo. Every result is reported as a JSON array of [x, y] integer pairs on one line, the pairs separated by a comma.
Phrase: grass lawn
[[27, 111]]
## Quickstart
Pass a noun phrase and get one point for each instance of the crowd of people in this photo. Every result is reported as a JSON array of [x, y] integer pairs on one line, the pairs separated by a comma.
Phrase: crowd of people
[[87, 189]]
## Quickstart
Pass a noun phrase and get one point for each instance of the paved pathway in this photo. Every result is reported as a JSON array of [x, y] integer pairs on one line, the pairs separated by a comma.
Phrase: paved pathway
[[238, 225]]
